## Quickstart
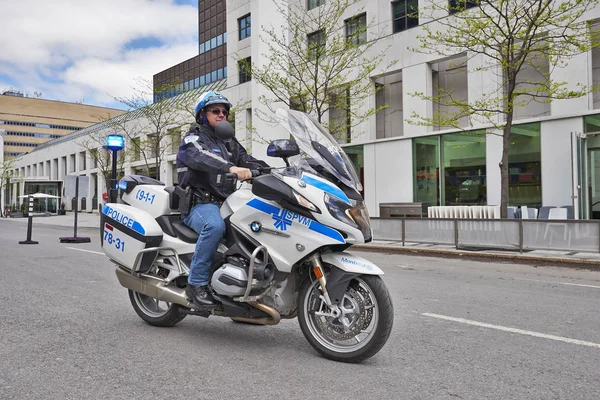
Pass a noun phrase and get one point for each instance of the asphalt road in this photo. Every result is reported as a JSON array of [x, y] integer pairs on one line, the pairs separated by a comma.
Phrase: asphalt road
[[462, 330]]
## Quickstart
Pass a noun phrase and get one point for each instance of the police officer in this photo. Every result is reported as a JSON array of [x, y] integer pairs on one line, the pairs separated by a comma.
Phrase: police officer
[[202, 161]]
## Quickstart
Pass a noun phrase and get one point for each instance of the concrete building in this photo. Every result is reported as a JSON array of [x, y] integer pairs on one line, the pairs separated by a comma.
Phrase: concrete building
[[554, 156], [29, 122], [26, 123]]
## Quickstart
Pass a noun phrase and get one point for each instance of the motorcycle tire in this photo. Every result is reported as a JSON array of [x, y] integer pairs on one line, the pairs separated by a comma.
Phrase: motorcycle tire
[[150, 310], [371, 321]]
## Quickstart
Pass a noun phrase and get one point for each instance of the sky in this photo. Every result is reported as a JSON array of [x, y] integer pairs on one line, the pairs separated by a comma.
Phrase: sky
[[92, 51]]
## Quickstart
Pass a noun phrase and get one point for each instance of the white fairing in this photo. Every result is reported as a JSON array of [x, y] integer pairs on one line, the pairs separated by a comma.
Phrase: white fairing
[[288, 236], [151, 198], [117, 244], [351, 263]]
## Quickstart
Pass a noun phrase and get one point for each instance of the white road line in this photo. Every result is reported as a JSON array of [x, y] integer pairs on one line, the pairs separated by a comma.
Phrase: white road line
[[513, 330], [87, 251], [558, 283]]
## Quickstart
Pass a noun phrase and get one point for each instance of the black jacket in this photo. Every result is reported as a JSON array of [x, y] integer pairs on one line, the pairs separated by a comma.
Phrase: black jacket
[[202, 160]]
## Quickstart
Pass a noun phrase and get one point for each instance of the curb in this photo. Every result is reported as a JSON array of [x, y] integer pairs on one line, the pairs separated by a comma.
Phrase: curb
[[484, 256]]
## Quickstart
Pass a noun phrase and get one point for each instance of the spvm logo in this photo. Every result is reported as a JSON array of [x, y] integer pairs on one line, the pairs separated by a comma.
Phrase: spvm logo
[[284, 218]]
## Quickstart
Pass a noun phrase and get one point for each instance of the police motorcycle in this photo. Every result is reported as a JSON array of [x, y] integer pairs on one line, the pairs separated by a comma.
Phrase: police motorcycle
[[282, 256]]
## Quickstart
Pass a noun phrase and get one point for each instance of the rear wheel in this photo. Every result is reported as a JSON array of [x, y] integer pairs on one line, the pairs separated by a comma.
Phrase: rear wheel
[[363, 326], [156, 312]]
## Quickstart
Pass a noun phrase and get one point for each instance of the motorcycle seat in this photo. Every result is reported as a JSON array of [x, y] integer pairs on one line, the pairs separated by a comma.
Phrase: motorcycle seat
[[173, 225], [183, 232]]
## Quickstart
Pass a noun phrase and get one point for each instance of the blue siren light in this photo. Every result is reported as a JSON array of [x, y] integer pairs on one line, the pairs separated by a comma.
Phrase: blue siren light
[[115, 142], [122, 184]]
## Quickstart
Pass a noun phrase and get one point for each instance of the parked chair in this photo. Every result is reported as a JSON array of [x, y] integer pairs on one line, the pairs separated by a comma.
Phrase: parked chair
[[524, 212], [557, 213], [532, 213], [569, 211], [510, 212], [544, 212], [551, 227]]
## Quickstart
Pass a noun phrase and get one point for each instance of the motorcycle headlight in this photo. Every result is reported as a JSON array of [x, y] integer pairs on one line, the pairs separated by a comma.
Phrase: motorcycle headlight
[[360, 214], [339, 210], [304, 202]]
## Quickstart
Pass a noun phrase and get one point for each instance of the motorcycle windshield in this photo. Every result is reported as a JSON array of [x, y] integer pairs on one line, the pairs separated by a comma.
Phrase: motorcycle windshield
[[319, 150]]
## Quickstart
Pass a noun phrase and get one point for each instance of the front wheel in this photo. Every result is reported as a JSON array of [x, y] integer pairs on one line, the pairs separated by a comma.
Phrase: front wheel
[[365, 323], [156, 312]]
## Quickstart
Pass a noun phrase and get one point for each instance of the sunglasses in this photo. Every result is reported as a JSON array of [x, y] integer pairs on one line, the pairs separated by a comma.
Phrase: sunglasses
[[217, 111]]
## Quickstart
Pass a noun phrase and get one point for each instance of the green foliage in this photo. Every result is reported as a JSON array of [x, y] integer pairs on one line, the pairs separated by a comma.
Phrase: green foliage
[[312, 66], [505, 38]]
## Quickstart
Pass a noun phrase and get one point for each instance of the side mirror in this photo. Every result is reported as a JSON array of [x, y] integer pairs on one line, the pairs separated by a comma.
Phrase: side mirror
[[224, 130], [283, 148]]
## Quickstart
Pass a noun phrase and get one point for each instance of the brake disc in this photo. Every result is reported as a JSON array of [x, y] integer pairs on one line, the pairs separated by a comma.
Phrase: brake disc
[[333, 328]]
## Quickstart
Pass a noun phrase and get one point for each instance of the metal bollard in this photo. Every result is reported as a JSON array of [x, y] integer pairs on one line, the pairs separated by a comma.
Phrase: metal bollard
[[29, 224]]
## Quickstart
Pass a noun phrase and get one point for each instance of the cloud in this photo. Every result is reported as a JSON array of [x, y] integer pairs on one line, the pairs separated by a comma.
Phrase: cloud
[[72, 50]]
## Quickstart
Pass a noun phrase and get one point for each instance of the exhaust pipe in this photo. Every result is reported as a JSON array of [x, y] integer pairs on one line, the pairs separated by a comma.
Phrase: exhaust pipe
[[152, 288], [273, 318]]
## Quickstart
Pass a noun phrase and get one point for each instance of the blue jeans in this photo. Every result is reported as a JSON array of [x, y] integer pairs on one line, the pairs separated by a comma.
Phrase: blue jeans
[[206, 221]]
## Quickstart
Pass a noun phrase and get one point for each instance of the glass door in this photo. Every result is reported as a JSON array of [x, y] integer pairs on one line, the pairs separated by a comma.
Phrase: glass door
[[593, 176]]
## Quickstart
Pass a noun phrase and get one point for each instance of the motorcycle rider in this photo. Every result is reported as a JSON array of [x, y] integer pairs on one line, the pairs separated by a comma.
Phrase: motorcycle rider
[[202, 160]]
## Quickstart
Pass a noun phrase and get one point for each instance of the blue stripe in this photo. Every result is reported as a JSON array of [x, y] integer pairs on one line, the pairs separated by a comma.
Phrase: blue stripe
[[327, 231], [135, 226], [264, 207], [326, 187], [313, 226]]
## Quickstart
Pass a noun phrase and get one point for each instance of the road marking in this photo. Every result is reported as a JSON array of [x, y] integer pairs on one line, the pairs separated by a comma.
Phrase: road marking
[[87, 251], [513, 330], [558, 283]]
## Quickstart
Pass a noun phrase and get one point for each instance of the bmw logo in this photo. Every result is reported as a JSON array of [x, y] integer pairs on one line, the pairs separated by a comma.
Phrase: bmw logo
[[255, 226]]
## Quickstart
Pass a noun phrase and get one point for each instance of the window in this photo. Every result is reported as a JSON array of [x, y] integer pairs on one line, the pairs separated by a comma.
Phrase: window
[[316, 44], [449, 88], [426, 170], [390, 120], [405, 15], [175, 134], [463, 176], [340, 123], [524, 166], [532, 78], [136, 147], [356, 29], [310, 4], [244, 27], [244, 66], [461, 5]]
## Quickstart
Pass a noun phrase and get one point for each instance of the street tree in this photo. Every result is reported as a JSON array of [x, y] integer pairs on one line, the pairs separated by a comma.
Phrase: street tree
[[6, 167], [101, 158], [152, 122], [507, 38], [319, 63]]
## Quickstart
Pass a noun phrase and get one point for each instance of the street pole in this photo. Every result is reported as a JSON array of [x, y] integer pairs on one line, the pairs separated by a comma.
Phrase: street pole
[[29, 223], [114, 143], [113, 178]]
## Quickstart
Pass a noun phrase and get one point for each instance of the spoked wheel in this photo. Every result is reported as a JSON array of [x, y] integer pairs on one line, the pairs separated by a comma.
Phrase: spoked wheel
[[361, 327], [155, 312]]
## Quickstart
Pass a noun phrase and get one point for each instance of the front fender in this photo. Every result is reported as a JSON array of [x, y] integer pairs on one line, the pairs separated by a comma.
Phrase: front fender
[[351, 263]]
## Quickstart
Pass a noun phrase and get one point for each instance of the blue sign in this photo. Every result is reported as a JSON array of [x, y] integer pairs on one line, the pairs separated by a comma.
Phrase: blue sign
[[115, 142]]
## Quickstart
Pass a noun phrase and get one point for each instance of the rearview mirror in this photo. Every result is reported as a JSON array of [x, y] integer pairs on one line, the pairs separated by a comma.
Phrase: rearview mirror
[[283, 148]]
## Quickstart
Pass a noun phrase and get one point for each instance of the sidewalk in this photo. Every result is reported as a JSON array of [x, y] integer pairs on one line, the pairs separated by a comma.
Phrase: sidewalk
[[536, 257]]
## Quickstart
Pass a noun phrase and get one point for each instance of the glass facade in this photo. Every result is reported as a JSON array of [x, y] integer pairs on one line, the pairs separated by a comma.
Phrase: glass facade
[[463, 168], [356, 155], [525, 166], [426, 167], [450, 169]]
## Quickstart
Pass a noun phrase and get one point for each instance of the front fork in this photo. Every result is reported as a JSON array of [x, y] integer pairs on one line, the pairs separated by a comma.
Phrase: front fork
[[317, 267]]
